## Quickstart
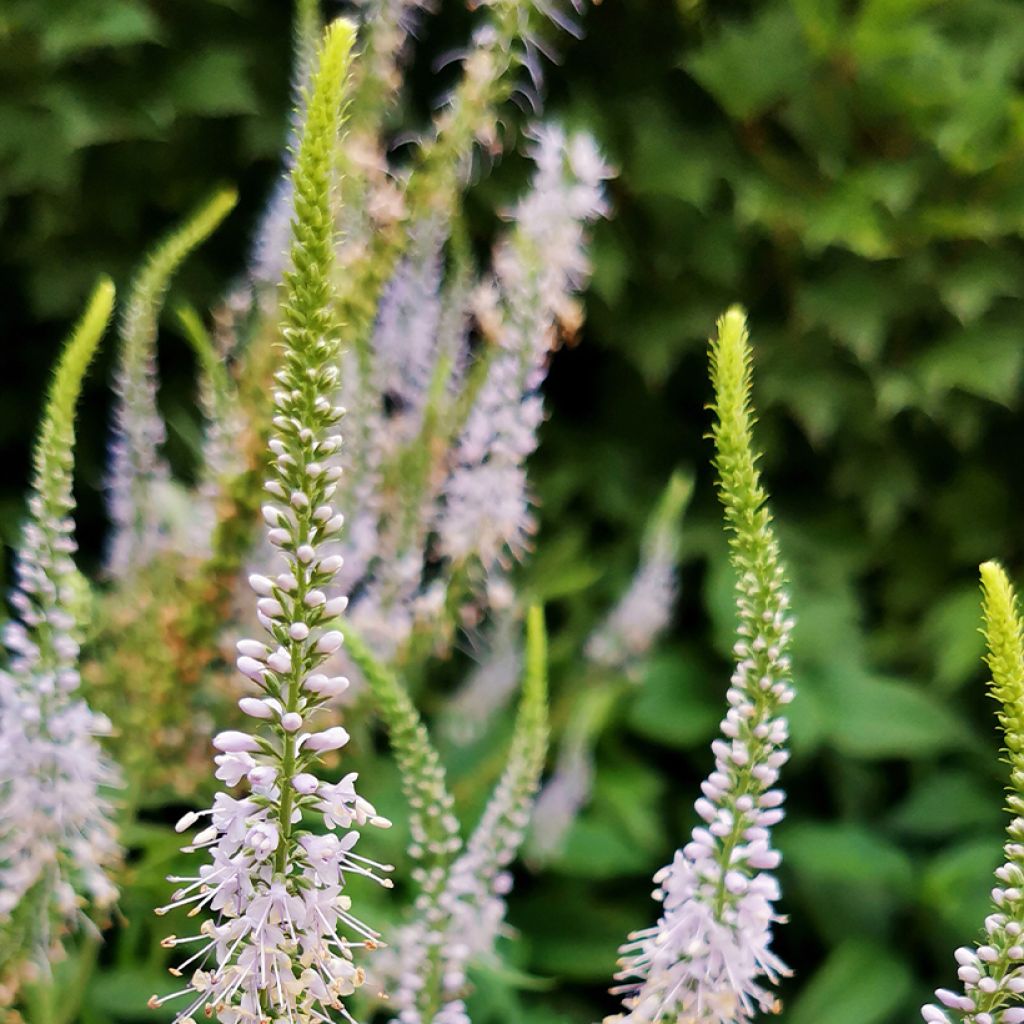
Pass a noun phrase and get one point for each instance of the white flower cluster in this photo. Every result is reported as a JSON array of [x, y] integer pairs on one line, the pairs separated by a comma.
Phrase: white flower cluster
[[57, 836], [641, 615], [138, 474], [564, 795], [486, 504], [705, 958], [281, 939], [435, 463]]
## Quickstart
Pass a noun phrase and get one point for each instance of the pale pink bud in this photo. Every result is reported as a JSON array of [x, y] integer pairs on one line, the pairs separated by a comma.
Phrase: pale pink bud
[[233, 742], [256, 708], [270, 607], [261, 585], [262, 775], [305, 783], [333, 525], [330, 739], [251, 667], [329, 642], [280, 660], [326, 687]]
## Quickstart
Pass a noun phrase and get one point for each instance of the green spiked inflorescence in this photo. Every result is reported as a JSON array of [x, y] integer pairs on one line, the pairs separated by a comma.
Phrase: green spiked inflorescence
[[57, 842], [137, 468], [992, 972]]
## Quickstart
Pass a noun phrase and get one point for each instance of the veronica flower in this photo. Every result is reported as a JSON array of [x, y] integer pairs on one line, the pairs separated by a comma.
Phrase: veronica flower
[[406, 336], [490, 685], [486, 504], [220, 458], [641, 615], [459, 921], [281, 941], [564, 795], [57, 839], [138, 477], [708, 960], [992, 971], [388, 26]]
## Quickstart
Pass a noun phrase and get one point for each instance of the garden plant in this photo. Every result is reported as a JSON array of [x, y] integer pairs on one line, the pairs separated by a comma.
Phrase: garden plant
[[418, 713]]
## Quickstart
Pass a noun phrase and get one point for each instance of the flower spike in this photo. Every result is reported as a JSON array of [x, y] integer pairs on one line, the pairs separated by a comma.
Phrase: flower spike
[[464, 920], [641, 615], [707, 958], [279, 941], [137, 470], [992, 972], [57, 839]]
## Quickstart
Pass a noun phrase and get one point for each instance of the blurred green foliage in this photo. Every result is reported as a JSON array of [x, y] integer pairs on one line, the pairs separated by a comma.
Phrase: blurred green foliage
[[853, 172]]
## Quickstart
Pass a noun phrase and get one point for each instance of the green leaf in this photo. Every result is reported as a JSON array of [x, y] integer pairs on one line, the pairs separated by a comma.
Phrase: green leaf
[[875, 717], [984, 359], [597, 847], [847, 854], [860, 983], [971, 287], [675, 701], [750, 66], [956, 885], [849, 879], [580, 942], [951, 630], [214, 83], [948, 803], [99, 23]]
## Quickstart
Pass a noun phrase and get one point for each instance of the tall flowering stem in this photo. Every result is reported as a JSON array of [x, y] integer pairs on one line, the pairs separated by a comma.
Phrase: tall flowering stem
[[280, 946], [460, 921], [486, 511], [137, 469], [992, 972], [432, 822], [708, 958], [57, 840]]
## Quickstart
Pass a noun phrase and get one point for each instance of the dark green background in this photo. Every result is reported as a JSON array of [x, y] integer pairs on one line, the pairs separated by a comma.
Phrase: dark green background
[[853, 172]]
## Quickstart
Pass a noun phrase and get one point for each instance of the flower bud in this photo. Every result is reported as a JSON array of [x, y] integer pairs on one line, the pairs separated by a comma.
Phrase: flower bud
[[305, 783], [233, 742], [329, 642], [256, 708], [261, 585], [330, 739]]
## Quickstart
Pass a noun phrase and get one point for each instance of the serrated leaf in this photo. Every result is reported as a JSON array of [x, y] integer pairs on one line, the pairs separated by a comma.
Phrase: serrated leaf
[[751, 65]]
